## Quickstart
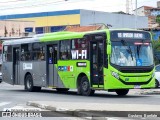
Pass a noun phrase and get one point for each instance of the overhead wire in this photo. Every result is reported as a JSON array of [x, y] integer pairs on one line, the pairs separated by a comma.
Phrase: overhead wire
[[59, 2], [12, 1], [47, 3], [41, 4]]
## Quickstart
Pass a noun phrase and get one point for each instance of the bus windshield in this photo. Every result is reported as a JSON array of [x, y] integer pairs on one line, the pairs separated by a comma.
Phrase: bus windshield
[[131, 53]]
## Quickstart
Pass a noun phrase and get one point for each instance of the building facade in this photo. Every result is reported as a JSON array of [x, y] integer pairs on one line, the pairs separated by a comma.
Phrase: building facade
[[16, 28], [113, 20], [58, 20]]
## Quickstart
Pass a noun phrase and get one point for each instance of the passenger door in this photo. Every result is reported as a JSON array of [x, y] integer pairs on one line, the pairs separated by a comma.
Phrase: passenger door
[[52, 74], [16, 65], [96, 62]]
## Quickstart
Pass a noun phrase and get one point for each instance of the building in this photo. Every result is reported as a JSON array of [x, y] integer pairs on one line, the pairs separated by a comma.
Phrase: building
[[16, 28], [58, 20], [144, 11], [147, 11]]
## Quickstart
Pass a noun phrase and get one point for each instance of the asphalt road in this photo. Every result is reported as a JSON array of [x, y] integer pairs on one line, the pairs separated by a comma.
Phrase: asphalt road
[[16, 95], [13, 96]]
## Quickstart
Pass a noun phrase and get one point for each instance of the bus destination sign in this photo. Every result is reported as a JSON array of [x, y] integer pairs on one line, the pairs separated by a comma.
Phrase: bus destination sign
[[131, 35]]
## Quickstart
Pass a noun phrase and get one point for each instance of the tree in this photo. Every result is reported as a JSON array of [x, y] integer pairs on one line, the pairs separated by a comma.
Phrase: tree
[[5, 31], [13, 32], [158, 19]]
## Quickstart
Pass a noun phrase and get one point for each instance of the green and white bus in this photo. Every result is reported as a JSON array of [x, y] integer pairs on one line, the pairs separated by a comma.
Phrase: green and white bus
[[112, 60]]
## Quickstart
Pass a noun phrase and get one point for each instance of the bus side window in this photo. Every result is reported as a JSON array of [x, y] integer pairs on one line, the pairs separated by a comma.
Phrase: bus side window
[[41, 56], [7, 54], [38, 52], [65, 50], [25, 52]]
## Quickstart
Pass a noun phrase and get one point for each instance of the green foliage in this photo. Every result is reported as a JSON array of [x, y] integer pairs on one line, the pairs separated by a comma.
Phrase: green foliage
[[158, 19], [156, 45], [156, 50]]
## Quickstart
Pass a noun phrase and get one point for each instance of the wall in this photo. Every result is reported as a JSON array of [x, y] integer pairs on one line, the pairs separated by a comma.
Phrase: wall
[[55, 18], [140, 11], [115, 20], [48, 21], [14, 28]]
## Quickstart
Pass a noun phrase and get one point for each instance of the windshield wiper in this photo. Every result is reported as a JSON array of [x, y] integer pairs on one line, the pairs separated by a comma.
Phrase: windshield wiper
[[124, 43]]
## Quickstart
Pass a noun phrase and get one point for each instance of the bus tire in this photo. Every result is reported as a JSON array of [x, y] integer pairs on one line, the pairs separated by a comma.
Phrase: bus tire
[[62, 89], [85, 87], [29, 83], [156, 83], [122, 92], [37, 89]]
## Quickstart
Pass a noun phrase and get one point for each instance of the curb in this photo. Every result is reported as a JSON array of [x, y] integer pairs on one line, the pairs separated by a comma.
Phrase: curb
[[74, 113], [150, 92]]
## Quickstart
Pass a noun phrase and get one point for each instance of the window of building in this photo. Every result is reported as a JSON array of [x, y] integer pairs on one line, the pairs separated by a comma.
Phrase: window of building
[[38, 51], [25, 52], [65, 50], [7, 54]]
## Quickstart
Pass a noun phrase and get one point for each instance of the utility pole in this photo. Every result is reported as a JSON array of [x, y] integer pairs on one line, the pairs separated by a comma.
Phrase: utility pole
[[127, 6], [136, 15]]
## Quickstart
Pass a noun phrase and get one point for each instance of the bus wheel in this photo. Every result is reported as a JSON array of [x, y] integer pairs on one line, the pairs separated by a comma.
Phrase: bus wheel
[[122, 92], [29, 83], [62, 89], [85, 87]]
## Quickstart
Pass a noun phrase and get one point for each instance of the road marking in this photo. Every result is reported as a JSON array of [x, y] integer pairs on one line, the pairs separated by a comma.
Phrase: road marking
[[4, 103]]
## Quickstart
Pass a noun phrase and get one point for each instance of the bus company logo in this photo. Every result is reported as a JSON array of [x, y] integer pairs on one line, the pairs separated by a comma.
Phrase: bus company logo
[[65, 68], [79, 53]]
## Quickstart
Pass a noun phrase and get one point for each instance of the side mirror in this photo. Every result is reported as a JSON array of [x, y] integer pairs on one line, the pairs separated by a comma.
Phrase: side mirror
[[109, 49]]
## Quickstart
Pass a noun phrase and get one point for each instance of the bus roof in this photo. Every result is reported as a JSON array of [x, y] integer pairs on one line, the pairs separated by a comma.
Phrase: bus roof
[[20, 41], [63, 35], [67, 35]]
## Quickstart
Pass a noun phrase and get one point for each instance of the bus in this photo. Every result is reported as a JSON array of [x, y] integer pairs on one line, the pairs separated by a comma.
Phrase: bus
[[113, 60]]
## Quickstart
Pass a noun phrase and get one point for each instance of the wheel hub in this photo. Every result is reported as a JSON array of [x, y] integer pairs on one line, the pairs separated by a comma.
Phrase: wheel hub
[[85, 86], [28, 83]]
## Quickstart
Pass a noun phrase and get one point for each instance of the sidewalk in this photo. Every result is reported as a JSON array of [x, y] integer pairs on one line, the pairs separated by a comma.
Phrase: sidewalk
[[155, 91], [78, 109]]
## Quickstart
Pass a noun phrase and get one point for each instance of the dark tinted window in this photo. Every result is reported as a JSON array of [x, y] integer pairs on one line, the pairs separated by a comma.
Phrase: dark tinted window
[[65, 50], [7, 53], [25, 52], [38, 51]]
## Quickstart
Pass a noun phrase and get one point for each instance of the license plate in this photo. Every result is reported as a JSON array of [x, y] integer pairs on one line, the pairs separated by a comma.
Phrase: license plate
[[137, 86]]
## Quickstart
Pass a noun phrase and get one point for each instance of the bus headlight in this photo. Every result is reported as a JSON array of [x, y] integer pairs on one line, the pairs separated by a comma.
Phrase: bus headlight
[[114, 74]]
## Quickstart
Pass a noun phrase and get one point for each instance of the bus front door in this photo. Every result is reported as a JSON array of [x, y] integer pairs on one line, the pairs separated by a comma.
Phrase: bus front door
[[51, 68], [96, 62], [16, 65]]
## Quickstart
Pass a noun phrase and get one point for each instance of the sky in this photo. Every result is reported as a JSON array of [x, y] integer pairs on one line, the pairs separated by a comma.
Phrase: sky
[[8, 7]]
